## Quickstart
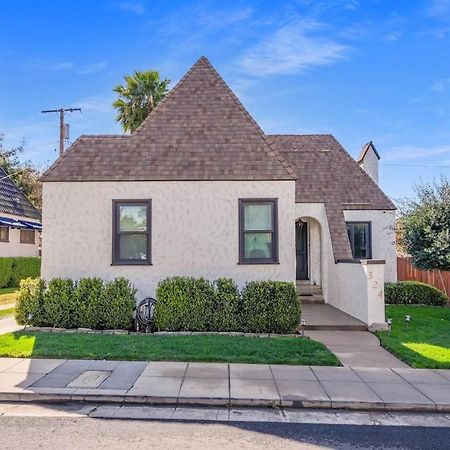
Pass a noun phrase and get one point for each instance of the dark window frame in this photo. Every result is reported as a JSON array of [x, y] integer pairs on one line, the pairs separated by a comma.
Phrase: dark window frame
[[30, 232], [116, 261], [369, 237], [275, 253], [7, 234]]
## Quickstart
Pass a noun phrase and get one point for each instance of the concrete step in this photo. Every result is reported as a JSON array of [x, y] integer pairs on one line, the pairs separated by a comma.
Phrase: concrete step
[[336, 327], [311, 289], [308, 299]]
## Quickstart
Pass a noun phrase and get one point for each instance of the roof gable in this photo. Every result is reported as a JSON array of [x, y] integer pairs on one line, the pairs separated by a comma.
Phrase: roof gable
[[200, 131], [13, 200], [326, 173]]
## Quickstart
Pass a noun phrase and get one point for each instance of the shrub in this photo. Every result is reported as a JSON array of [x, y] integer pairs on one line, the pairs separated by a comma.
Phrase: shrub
[[269, 307], [114, 307], [90, 303], [226, 305], [5, 272], [60, 305], [415, 293], [15, 269], [184, 303], [30, 302], [87, 294], [25, 267]]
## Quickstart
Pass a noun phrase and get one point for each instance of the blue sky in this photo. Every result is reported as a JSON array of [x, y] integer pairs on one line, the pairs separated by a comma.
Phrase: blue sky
[[361, 70]]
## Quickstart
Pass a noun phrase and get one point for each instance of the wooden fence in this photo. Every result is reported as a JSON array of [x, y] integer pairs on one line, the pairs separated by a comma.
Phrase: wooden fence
[[406, 271]]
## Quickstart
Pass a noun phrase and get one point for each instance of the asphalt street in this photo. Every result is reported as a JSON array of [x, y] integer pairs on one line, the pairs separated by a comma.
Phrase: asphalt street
[[87, 426]]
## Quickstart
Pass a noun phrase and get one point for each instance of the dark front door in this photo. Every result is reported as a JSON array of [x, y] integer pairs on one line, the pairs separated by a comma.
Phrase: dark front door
[[301, 249]]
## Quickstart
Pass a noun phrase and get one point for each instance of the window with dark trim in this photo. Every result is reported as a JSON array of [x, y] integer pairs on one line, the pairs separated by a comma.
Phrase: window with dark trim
[[131, 243], [258, 231], [4, 234], [27, 237], [359, 234]]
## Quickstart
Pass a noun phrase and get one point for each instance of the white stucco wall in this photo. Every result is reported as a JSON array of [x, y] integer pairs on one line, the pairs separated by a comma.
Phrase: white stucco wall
[[194, 230], [383, 236], [360, 291], [14, 247]]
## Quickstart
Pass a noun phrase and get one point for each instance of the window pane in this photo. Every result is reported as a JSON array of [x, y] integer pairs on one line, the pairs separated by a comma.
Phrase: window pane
[[258, 245], [361, 241], [27, 236], [133, 218], [258, 217], [133, 246], [4, 234]]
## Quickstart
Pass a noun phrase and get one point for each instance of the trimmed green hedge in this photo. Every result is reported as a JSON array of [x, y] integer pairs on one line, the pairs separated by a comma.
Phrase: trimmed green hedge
[[270, 307], [16, 268], [30, 302], [89, 303], [413, 293], [189, 304]]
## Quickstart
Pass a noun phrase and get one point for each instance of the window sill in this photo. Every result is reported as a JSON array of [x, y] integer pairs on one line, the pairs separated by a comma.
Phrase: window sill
[[253, 263], [132, 263]]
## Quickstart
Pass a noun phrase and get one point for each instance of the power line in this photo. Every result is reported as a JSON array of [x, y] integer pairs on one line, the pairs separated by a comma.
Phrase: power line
[[431, 166]]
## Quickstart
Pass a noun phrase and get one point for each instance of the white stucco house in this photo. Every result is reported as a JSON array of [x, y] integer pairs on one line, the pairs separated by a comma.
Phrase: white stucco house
[[199, 189], [20, 221]]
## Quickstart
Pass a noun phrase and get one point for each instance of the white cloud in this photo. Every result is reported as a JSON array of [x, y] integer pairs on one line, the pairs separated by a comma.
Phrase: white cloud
[[292, 49], [133, 7], [43, 64], [394, 36], [439, 9], [51, 65], [441, 86], [96, 104], [411, 152], [92, 68]]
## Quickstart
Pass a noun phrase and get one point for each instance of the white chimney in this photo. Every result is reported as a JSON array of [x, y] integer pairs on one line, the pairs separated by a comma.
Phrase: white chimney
[[368, 160]]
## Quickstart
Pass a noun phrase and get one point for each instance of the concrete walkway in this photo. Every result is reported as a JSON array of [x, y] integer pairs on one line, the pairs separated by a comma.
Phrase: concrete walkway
[[325, 317], [180, 383], [357, 348], [9, 325]]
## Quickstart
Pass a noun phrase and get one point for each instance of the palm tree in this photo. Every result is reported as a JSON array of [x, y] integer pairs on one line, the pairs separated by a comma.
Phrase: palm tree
[[138, 97]]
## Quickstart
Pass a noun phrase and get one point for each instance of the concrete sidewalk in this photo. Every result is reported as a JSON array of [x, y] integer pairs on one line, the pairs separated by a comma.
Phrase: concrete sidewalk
[[180, 383]]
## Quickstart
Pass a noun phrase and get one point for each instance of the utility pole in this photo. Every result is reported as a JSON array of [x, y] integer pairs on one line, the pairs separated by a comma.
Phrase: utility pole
[[61, 112]]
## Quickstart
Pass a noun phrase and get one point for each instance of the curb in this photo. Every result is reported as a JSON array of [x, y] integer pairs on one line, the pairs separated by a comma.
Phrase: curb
[[173, 401]]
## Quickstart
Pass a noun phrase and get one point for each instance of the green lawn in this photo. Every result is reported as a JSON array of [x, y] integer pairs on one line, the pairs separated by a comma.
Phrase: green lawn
[[425, 341], [6, 312], [207, 348], [8, 295]]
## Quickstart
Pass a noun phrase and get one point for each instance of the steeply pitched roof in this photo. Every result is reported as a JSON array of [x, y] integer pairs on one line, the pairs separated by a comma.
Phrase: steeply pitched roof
[[200, 131], [326, 173], [13, 200], [365, 149]]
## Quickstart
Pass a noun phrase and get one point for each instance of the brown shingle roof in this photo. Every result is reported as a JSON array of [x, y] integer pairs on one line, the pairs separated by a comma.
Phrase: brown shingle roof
[[326, 173], [200, 131]]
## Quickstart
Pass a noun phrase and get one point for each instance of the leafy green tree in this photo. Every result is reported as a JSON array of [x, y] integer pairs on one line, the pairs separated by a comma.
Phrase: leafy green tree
[[25, 174], [138, 97], [425, 226]]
